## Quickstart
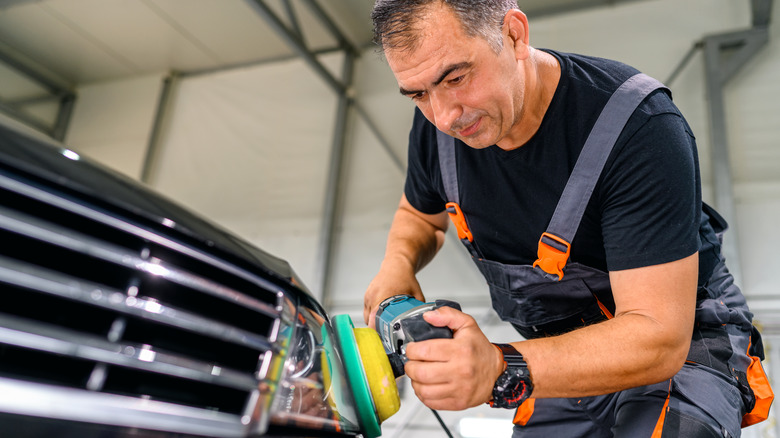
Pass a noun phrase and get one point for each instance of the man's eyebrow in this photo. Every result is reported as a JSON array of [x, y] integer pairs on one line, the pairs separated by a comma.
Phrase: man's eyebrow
[[442, 76]]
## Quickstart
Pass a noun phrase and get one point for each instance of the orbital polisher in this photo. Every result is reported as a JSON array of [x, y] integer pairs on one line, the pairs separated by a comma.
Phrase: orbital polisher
[[373, 359]]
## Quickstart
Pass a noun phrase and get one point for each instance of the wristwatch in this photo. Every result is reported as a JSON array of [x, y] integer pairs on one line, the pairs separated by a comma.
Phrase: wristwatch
[[514, 385]]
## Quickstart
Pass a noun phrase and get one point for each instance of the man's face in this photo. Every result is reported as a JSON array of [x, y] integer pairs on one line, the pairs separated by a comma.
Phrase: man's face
[[459, 82]]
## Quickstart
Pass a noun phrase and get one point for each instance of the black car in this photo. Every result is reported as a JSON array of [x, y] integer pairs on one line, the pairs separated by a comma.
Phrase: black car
[[123, 314]]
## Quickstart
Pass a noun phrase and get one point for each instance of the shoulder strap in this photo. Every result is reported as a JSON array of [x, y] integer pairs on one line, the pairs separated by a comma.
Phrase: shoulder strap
[[555, 243], [449, 176]]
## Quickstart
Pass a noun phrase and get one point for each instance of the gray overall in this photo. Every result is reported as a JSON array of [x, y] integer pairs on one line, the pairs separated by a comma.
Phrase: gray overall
[[704, 399]]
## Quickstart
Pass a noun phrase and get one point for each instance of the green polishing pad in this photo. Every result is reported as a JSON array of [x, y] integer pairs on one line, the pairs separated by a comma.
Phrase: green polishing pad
[[356, 375]]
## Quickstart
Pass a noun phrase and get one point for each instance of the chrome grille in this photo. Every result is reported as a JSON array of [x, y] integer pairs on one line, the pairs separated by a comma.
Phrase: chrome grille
[[117, 315]]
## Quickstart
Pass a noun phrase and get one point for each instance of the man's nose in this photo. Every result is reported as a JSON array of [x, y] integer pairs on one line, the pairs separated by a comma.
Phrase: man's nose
[[445, 110]]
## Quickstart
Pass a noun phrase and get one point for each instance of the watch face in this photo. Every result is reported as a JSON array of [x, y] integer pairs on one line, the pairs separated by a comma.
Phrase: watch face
[[512, 388]]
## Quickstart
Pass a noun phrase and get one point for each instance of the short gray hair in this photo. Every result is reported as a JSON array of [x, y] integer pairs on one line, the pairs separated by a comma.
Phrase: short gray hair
[[396, 21]]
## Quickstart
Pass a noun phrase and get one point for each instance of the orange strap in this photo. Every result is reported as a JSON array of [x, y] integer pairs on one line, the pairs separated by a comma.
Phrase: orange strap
[[524, 412], [659, 426], [759, 383], [603, 308], [552, 259], [457, 217]]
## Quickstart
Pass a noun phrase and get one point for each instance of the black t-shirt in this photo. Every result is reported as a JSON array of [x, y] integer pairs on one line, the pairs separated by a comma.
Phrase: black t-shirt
[[645, 209]]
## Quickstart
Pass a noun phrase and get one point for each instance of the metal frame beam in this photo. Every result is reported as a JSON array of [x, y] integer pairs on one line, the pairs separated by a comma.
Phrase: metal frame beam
[[762, 12], [293, 17], [13, 112], [57, 90], [297, 44], [343, 89], [333, 202], [61, 124], [332, 27], [698, 45], [155, 136], [724, 56]]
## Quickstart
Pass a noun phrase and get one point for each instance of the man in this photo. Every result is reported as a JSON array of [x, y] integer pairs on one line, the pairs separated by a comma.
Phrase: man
[[633, 326]]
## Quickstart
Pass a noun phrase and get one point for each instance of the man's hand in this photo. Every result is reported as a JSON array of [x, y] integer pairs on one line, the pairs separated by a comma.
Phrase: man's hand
[[453, 374], [392, 279]]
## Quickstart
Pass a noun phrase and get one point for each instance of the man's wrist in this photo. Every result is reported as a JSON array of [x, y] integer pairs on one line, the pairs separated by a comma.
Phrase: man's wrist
[[513, 386], [501, 364]]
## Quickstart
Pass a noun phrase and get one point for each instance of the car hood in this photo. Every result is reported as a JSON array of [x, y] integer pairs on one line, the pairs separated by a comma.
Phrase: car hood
[[29, 155]]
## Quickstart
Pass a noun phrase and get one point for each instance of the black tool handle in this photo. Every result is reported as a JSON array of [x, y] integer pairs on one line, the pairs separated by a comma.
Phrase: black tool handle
[[417, 329], [447, 303]]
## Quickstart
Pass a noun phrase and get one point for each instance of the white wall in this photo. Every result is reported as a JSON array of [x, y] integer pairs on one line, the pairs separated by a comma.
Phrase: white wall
[[249, 148], [111, 121]]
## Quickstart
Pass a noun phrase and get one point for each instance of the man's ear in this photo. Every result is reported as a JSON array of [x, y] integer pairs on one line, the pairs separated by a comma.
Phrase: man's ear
[[516, 28]]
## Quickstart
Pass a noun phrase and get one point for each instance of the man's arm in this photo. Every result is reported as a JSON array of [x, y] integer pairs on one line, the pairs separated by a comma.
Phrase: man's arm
[[647, 342], [414, 239]]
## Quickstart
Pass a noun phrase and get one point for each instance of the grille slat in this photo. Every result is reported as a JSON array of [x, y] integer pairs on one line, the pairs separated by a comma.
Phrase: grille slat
[[24, 398], [83, 244], [142, 328], [28, 276], [66, 205], [52, 339]]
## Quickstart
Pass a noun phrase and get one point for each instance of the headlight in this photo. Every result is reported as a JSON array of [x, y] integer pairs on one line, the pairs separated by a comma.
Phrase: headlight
[[312, 392]]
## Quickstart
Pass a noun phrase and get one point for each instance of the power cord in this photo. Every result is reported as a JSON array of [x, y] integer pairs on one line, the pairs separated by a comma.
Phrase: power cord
[[444, 426]]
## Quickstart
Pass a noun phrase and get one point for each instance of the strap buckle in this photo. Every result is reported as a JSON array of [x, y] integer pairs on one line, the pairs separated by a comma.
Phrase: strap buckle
[[553, 254], [459, 220]]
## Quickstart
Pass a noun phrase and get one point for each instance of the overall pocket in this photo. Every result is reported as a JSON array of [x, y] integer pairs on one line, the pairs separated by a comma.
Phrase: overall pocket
[[549, 308]]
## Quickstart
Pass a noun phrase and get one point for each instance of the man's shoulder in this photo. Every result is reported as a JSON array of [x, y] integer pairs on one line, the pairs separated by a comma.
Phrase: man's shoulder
[[600, 73], [590, 81]]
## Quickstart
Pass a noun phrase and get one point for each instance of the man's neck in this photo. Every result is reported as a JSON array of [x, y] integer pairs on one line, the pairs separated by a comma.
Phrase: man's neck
[[542, 74]]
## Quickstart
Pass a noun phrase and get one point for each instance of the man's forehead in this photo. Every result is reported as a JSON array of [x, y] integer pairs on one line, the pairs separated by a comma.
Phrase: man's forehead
[[434, 22], [420, 64]]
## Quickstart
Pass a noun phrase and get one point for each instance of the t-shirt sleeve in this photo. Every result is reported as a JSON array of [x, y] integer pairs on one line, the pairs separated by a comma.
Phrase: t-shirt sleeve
[[651, 196], [423, 187]]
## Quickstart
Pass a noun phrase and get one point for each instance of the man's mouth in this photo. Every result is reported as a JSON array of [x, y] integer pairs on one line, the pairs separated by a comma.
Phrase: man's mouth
[[470, 129]]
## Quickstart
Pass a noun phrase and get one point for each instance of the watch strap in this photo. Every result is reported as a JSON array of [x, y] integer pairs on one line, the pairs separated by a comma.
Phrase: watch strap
[[514, 385], [512, 357]]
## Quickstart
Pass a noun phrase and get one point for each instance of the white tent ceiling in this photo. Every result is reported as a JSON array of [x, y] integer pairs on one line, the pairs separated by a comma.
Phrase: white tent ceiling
[[49, 47], [260, 166], [83, 41]]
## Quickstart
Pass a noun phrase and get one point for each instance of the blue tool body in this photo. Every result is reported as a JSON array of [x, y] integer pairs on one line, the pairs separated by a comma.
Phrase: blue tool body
[[399, 320]]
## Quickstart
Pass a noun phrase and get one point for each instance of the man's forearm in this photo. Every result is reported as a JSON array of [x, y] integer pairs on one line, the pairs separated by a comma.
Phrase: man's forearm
[[599, 359], [647, 341], [414, 240]]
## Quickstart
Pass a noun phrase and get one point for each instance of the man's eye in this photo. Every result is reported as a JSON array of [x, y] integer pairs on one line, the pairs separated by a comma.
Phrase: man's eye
[[457, 80], [418, 96]]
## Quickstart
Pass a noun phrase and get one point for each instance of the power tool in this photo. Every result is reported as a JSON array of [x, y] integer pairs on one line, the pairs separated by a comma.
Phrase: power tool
[[374, 359], [399, 320]]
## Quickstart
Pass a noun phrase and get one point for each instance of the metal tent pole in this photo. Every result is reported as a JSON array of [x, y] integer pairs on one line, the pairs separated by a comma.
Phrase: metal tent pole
[[56, 88], [742, 45], [334, 196], [155, 136]]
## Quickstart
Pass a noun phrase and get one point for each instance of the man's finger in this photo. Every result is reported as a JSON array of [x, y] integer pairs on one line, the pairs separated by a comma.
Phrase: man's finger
[[439, 397], [428, 372], [448, 317]]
